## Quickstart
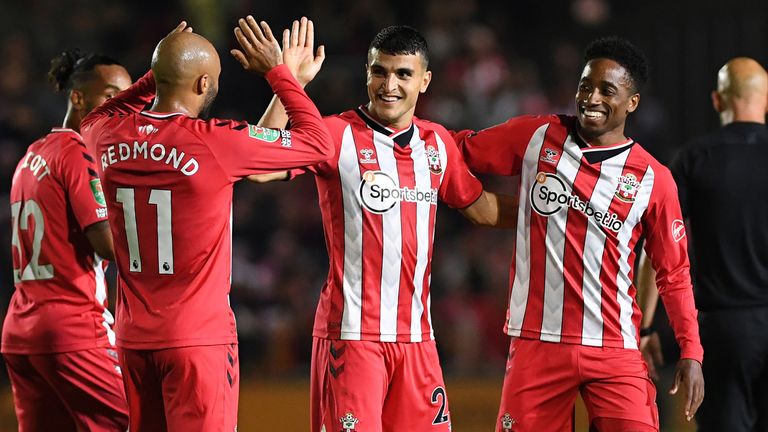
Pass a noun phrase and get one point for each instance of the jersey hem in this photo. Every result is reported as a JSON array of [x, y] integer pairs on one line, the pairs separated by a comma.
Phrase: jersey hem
[[371, 337], [122, 343], [571, 340]]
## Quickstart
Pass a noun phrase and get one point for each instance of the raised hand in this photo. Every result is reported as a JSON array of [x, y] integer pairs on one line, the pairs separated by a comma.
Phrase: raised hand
[[183, 27], [298, 51], [259, 51]]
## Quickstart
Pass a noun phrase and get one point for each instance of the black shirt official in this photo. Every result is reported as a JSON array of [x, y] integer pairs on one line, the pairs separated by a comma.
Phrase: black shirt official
[[721, 180]]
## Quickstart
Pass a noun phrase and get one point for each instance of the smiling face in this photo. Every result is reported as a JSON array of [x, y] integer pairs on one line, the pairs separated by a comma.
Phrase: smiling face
[[394, 83], [605, 97]]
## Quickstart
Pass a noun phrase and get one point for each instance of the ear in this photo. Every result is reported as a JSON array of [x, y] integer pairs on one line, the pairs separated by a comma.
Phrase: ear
[[717, 101], [425, 81], [634, 101], [202, 84], [76, 99]]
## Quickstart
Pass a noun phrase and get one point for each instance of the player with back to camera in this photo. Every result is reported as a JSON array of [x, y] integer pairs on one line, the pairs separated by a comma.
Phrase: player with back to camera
[[57, 339], [168, 179]]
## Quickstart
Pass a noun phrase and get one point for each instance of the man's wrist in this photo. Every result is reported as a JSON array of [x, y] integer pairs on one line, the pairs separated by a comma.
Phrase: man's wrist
[[647, 331]]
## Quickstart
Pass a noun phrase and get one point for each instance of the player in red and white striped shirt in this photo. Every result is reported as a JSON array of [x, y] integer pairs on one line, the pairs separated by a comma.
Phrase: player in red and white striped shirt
[[587, 194], [374, 361], [57, 338]]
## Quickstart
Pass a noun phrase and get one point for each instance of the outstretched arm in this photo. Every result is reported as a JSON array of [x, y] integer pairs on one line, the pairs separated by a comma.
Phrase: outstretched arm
[[493, 210]]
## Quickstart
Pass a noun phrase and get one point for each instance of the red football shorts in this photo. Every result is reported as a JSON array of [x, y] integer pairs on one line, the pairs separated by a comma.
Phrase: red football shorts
[[182, 389], [79, 390], [367, 386], [543, 379]]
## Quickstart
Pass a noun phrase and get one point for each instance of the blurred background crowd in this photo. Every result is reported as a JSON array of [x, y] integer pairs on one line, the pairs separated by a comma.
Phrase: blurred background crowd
[[491, 60]]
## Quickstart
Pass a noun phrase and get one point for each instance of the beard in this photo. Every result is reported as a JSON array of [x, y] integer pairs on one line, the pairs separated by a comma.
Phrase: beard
[[210, 96]]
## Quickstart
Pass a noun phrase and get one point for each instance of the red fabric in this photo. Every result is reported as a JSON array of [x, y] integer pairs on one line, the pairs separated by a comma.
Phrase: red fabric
[[543, 379], [579, 223], [182, 389], [383, 386], [80, 390], [59, 303], [380, 259], [168, 182]]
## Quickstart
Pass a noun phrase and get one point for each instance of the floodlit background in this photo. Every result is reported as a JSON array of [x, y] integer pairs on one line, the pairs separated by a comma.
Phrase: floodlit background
[[491, 60]]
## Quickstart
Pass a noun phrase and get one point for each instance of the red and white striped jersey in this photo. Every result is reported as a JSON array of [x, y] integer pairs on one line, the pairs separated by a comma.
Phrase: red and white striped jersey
[[579, 220], [378, 198], [60, 300]]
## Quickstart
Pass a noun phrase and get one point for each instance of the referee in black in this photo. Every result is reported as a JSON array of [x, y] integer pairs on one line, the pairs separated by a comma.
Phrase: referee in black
[[723, 185]]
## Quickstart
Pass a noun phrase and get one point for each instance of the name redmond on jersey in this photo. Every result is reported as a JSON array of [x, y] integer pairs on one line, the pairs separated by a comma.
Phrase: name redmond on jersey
[[157, 152]]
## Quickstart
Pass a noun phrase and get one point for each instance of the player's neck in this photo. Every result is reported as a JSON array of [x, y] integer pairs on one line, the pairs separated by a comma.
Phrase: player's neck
[[603, 140], [174, 105], [72, 121], [401, 124]]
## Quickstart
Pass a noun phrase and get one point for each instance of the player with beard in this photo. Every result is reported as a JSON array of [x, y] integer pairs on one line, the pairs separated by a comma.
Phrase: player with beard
[[57, 339], [587, 195], [168, 179]]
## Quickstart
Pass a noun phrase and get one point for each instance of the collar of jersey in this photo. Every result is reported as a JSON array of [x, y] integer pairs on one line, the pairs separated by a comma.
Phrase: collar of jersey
[[161, 115], [65, 130], [402, 137]]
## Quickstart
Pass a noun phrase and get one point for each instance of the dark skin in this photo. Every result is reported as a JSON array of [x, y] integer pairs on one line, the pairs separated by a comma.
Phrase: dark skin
[[605, 97]]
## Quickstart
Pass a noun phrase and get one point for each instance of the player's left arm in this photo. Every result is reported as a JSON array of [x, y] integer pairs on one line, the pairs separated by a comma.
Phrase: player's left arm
[[491, 209], [666, 246], [77, 174]]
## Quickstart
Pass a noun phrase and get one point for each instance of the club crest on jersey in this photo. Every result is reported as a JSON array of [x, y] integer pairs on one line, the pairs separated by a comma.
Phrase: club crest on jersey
[[678, 230], [433, 156], [348, 422], [367, 156], [98, 193], [550, 156], [262, 133], [507, 422], [148, 129], [627, 188], [379, 193]]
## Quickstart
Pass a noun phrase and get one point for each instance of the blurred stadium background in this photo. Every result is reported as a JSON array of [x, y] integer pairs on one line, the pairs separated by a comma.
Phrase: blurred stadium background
[[491, 60]]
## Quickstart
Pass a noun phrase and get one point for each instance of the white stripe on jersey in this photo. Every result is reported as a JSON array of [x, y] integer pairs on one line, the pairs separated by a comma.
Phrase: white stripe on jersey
[[554, 282], [101, 297], [623, 282], [519, 298], [391, 244], [592, 330], [349, 173]]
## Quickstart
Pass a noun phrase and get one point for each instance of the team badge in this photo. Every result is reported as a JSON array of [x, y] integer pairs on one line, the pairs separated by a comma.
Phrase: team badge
[[367, 156], [433, 156], [550, 156], [627, 188], [678, 230], [264, 134], [507, 422], [98, 193], [348, 422]]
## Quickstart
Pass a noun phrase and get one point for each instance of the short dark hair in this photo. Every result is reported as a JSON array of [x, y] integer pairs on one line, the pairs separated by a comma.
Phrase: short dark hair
[[72, 68], [401, 39], [622, 52]]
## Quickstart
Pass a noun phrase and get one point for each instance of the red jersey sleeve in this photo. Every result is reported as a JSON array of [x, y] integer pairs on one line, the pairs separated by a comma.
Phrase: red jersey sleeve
[[459, 187], [243, 149], [667, 248], [500, 149], [129, 101], [82, 186]]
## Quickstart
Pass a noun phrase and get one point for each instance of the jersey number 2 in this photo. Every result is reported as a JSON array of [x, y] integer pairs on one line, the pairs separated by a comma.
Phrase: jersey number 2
[[162, 200], [438, 396], [20, 219]]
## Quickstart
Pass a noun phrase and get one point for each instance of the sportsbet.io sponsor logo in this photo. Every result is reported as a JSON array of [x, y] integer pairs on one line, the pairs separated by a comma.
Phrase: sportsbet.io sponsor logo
[[379, 192], [549, 195]]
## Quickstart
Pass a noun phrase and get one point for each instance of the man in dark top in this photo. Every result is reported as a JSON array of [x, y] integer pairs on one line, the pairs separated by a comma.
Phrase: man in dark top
[[720, 178]]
